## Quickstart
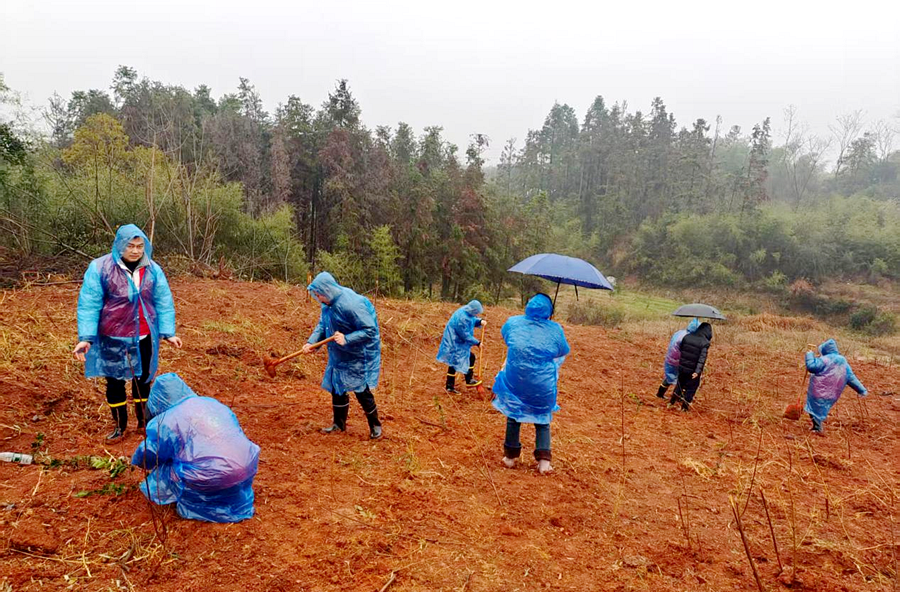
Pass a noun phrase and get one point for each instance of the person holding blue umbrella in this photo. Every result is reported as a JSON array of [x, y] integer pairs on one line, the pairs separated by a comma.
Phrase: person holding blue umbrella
[[526, 386]]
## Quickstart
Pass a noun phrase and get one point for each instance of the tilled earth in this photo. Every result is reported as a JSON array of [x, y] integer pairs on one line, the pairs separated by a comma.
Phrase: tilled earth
[[639, 499]]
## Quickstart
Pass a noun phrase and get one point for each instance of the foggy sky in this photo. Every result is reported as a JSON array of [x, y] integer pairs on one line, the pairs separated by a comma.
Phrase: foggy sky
[[478, 67]]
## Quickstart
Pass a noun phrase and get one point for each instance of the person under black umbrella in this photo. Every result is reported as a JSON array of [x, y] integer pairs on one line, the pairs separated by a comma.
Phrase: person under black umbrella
[[694, 352]]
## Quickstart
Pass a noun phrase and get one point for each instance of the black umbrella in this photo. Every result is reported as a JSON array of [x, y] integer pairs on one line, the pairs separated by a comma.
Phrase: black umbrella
[[704, 311]]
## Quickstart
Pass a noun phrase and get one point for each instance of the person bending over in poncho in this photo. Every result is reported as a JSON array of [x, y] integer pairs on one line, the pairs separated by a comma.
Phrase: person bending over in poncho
[[125, 309], [457, 343], [197, 455], [673, 358], [829, 374], [525, 388], [354, 357]]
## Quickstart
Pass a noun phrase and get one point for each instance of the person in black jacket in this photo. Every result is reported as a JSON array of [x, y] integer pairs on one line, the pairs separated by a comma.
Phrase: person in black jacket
[[694, 349]]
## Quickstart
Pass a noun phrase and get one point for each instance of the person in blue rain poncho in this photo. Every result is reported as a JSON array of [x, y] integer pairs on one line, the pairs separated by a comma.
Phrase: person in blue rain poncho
[[673, 357], [354, 357], [525, 387], [125, 309], [457, 343], [197, 456], [829, 374]]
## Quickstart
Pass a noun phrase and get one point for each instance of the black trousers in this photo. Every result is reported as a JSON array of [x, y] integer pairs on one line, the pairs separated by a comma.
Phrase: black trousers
[[341, 407], [686, 387], [116, 397], [451, 373]]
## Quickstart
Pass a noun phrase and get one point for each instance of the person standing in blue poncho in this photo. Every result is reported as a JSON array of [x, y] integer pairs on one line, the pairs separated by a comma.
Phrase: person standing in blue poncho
[[525, 388], [457, 343], [125, 309], [673, 358], [197, 456], [829, 374], [354, 357]]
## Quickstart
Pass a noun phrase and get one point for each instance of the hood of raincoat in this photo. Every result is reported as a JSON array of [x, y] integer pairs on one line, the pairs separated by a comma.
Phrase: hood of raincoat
[[324, 284], [474, 308], [704, 330], [693, 325], [168, 390], [829, 347], [123, 235], [539, 308]]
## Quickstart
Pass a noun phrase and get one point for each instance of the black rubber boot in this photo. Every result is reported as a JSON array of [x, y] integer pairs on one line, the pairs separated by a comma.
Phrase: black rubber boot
[[340, 405], [120, 417], [367, 402], [661, 393], [451, 381], [140, 413], [817, 427]]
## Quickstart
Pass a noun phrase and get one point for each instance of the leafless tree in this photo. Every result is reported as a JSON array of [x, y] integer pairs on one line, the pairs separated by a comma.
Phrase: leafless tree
[[844, 131]]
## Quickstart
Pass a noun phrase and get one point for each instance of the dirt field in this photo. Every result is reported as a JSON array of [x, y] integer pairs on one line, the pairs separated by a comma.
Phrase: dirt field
[[430, 507]]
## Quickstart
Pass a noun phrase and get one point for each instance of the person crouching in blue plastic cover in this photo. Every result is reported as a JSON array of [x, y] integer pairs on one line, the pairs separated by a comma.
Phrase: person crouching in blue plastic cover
[[125, 308], [829, 374], [354, 357], [673, 357], [525, 388], [457, 343], [197, 455]]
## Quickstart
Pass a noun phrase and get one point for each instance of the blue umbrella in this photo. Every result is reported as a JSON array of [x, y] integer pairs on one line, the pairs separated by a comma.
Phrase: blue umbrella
[[563, 270]]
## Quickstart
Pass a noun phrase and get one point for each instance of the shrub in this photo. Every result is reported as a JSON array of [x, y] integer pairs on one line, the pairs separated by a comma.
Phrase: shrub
[[871, 321], [591, 313]]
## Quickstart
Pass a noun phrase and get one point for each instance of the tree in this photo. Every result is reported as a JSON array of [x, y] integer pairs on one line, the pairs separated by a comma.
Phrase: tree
[[341, 108], [844, 131]]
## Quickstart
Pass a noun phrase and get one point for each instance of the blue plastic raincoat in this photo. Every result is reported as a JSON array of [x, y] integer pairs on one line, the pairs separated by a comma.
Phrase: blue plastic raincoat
[[829, 374], [525, 388], [197, 454], [458, 338], [356, 365], [109, 311], [673, 355]]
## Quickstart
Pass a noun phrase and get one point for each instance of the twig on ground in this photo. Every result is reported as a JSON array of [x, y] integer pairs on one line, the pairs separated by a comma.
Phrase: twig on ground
[[389, 582], [753, 476], [740, 526], [762, 494]]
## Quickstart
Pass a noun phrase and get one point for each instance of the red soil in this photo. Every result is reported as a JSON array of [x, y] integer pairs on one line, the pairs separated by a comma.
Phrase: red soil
[[430, 505]]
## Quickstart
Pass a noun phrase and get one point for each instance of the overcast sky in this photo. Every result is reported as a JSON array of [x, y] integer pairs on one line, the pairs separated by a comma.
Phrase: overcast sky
[[478, 67]]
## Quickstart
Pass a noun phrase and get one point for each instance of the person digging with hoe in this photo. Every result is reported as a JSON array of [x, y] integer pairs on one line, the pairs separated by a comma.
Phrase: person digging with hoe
[[457, 343], [829, 373], [354, 356], [125, 309]]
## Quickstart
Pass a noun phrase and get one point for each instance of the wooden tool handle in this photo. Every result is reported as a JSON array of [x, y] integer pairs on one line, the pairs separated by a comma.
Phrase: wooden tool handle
[[297, 353]]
